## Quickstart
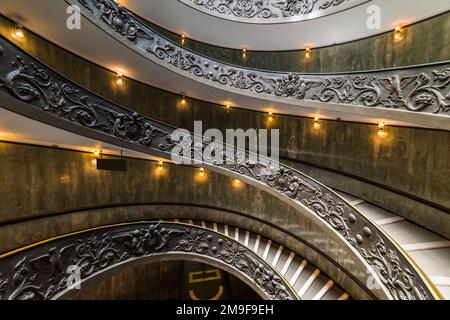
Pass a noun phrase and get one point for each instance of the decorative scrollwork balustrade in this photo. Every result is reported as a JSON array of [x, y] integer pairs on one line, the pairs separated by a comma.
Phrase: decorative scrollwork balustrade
[[48, 270], [422, 89], [62, 103], [271, 11]]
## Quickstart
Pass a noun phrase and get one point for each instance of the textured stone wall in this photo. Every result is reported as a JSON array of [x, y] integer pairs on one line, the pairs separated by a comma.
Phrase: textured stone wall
[[423, 42], [165, 280], [47, 192], [411, 160], [155, 281]]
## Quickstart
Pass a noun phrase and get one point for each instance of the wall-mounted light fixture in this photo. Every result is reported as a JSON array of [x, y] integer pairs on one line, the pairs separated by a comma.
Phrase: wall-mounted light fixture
[[160, 171], [316, 122], [183, 101], [64, 179], [97, 153], [200, 175], [398, 33], [308, 53], [18, 31], [183, 39], [244, 53], [270, 116], [381, 129], [119, 78]]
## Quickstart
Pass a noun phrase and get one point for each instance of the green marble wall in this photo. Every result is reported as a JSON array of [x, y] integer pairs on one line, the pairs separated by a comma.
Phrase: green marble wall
[[412, 160], [423, 42], [47, 192], [165, 280]]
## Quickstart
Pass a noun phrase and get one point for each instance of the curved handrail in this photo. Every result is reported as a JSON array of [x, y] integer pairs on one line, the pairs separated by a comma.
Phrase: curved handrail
[[271, 11], [417, 90], [41, 271], [53, 99]]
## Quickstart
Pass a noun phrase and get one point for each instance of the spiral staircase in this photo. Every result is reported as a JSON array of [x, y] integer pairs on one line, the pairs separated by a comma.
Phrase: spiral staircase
[[334, 246]]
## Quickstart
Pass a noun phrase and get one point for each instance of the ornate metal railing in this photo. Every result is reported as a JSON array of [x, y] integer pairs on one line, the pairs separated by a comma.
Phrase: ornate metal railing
[[49, 97], [271, 11], [421, 89], [50, 269]]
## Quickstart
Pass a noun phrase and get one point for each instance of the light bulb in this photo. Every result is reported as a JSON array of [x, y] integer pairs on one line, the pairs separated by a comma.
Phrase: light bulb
[[316, 121], [308, 53], [398, 33], [183, 101], [381, 129], [119, 78], [18, 31]]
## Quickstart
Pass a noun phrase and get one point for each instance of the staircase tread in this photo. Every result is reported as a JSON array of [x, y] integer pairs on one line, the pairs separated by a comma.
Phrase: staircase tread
[[405, 232], [435, 262], [375, 213]]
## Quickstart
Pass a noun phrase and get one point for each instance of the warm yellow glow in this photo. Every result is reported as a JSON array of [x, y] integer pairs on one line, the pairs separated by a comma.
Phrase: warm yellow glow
[[308, 53], [160, 170], [183, 101], [200, 175], [228, 106], [183, 38], [244, 53], [237, 184], [18, 31], [64, 179], [97, 153], [381, 129], [398, 33], [119, 78], [316, 121], [270, 116]]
